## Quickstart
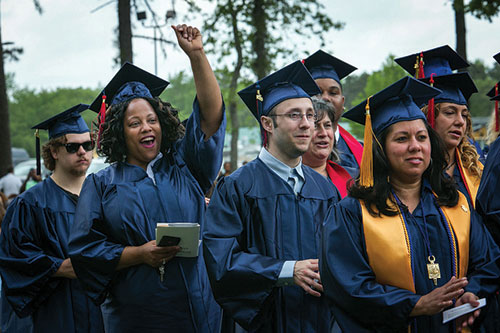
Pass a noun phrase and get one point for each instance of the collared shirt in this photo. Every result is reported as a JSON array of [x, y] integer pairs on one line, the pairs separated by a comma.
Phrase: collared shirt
[[284, 171], [149, 168]]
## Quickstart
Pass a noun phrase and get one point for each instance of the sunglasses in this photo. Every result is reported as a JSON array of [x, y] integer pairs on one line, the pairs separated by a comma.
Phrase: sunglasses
[[73, 147]]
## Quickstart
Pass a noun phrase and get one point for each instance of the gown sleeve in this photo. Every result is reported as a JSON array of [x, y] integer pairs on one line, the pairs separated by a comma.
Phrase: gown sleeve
[[203, 156], [93, 254], [242, 279], [488, 200], [26, 268], [484, 256], [348, 280]]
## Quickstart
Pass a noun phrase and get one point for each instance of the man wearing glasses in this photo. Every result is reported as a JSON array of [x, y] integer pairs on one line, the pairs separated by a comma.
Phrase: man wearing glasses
[[262, 235], [38, 281]]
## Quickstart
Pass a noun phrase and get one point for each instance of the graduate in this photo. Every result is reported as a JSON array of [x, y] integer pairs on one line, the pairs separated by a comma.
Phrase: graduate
[[488, 200], [159, 173], [38, 279], [262, 234], [494, 125], [327, 71], [322, 151], [448, 113], [405, 244]]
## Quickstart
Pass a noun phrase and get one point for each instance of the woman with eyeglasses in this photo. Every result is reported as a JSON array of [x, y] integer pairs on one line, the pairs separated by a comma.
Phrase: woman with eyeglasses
[[159, 173], [322, 156]]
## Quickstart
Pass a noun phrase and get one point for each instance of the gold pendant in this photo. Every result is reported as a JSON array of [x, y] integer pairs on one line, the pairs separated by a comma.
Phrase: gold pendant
[[433, 269]]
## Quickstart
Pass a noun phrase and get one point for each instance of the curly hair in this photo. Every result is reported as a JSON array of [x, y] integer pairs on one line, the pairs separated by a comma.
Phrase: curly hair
[[54, 143], [112, 142], [376, 196], [492, 134], [468, 152]]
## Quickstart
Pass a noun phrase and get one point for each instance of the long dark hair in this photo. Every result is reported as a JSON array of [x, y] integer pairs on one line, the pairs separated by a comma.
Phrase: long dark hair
[[377, 195], [112, 144]]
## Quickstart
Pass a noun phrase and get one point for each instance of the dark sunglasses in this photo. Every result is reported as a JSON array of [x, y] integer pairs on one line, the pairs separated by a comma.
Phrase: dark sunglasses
[[73, 147]]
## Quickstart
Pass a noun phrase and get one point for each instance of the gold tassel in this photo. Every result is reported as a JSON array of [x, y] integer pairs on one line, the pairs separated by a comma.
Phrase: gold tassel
[[366, 169]]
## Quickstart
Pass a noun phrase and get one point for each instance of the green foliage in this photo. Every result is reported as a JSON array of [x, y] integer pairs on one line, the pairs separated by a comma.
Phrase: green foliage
[[28, 107], [483, 9], [275, 26], [181, 92], [352, 86], [480, 104]]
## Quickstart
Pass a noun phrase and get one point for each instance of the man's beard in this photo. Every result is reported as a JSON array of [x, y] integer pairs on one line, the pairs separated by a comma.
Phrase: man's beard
[[78, 172]]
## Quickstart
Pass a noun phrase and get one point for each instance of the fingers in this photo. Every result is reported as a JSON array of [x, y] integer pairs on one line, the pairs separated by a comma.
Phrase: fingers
[[187, 32]]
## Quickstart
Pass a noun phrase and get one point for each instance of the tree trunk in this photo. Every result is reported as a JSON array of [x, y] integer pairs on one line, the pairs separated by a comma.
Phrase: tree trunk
[[261, 64], [458, 6], [124, 31], [233, 107], [5, 149]]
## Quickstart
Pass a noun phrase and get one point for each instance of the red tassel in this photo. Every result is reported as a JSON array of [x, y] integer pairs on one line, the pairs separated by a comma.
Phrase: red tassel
[[303, 60], [430, 106], [421, 74], [101, 118]]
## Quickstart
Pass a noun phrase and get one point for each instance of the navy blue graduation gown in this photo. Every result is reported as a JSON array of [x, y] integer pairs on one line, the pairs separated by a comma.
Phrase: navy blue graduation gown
[[120, 206], [488, 197], [254, 224], [360, 304], [33, 244], [461, 185], [347, 159]]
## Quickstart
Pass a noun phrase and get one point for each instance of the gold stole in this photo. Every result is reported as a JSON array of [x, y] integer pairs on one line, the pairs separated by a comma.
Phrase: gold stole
[[388, 246], [471, 181]]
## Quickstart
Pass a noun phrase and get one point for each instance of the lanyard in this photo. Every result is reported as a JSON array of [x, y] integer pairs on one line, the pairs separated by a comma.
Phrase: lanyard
[[426, 233]]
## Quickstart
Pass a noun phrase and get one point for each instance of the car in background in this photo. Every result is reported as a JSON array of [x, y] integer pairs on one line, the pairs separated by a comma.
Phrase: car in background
[[19, 155], [22, 169], [97, 164]]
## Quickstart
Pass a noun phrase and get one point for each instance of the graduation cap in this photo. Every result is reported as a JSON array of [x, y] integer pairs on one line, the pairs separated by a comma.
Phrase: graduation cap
[[322, 65], [68, 121], [394, 104], [436, 67], [292, 81], [494, 91], [497, 57], [128, 83], [439, 61]]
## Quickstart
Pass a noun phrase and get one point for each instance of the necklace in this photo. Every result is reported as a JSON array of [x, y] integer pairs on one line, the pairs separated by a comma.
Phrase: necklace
[[450, 166], [433, 270]]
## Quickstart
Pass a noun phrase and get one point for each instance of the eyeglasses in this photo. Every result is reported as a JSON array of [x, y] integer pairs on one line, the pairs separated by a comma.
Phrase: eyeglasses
[[297, 116], [73, 147]]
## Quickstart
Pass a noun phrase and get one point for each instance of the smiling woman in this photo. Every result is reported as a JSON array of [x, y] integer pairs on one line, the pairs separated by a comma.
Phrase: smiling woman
[[409, 239], [159, 172]]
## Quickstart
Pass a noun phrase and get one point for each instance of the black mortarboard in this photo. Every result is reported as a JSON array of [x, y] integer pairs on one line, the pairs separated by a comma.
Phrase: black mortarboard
[[322, 65], [128, 83], [68, 121], [292, 81], [494, 91], [455, 88], [497, 57], [439, 61], [394, 104]]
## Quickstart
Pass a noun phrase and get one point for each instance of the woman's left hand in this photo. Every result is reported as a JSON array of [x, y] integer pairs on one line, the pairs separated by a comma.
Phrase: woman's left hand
[[189, 38], [468, 319]]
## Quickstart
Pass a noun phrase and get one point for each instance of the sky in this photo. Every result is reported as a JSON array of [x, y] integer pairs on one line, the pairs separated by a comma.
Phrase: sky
[[70, 45]]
